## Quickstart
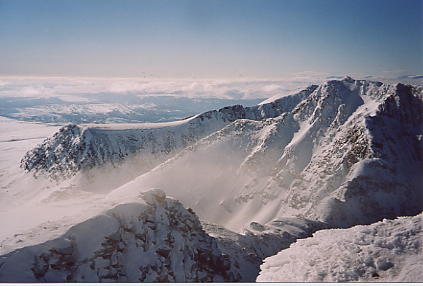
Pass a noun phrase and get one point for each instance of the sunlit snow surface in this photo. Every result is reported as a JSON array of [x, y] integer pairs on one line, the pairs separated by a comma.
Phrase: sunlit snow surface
[[387, 251], [32, 209], [153, 240]]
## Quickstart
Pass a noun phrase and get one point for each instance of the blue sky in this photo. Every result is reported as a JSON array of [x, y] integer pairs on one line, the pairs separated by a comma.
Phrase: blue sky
[[210, 38]]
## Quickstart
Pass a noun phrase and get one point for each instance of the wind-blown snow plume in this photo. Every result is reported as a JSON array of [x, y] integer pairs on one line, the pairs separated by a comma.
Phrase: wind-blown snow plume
[[349, 153], [74, 147]]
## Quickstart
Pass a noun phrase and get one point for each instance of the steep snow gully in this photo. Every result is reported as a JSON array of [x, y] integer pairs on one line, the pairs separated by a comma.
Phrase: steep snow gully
[[344, 153]]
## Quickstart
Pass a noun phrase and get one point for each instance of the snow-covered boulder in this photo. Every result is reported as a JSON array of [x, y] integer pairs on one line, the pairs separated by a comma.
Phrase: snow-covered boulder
[[388, 251], [153, 241]]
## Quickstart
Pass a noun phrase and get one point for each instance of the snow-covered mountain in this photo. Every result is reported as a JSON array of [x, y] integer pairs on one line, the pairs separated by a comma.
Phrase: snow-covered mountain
[[347, 152], [75, 147], [343, 153], [327, 153], [387, 251]]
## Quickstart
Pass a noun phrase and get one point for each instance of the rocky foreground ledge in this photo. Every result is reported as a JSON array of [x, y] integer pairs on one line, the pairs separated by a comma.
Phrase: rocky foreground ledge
[[153, 240]]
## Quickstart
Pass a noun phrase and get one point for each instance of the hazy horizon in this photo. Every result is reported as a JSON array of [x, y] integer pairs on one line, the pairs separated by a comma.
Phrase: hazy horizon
[[210, 39]]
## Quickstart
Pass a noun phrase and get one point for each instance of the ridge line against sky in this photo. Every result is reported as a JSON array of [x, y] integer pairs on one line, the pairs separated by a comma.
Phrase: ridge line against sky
[[209, 39]]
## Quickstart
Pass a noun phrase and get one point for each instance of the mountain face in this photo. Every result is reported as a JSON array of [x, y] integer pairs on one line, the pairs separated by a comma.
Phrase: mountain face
[[348, 153], [75, 148], [357, 156], [387, 251], [343, 153]]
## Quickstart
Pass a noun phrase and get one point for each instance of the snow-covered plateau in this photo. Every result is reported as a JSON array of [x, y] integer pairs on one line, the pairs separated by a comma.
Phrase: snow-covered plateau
[[209, 197]]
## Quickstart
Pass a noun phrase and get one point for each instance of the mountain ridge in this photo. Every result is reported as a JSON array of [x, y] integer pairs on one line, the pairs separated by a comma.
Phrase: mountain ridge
[[310, 155], [49, 158]]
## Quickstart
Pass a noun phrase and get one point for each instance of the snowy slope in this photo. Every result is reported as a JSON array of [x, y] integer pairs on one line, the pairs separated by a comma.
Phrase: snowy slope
[[313, 154], [31, 207], [387, 251], [153, 240], [316, 161], [74, 147], [47, 210], [16, 138], [367, 166]]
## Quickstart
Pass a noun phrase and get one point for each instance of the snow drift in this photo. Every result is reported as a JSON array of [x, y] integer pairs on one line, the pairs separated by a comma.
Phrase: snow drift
[[387, 251]]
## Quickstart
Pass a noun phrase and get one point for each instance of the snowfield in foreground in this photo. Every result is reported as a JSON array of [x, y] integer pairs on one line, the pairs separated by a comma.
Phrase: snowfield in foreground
[[387, 251]]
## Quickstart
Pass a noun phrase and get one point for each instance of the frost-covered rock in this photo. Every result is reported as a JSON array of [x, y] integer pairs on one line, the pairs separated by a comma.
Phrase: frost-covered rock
[[358, 158], [155, 241], [259, 241], [347, 154], [388, 251]]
